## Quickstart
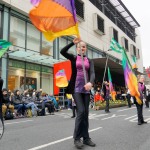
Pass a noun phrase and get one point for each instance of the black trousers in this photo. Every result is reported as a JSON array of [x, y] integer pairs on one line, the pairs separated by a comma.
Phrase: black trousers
[[107, 104], [140, 112], [82, 122], [74, 111], [128, 100], [147, 102]]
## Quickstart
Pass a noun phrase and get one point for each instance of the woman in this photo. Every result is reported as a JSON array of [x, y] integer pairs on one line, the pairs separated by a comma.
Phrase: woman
[[142, 90], [80, 90], [106, 91]]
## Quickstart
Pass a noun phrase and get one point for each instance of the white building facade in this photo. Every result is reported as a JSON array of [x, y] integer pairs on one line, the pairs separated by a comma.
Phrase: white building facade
[[31, 57]]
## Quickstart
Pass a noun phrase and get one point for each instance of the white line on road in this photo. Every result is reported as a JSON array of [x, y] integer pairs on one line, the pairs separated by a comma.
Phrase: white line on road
[[125, 109], [134, 120], [113, 116], [59, 141], [97, 116], [17, 122], [130, 117]]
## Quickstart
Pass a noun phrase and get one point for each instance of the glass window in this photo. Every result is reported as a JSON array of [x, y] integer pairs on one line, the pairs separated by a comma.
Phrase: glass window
[[47, 47], [32, 76], [15, 75], [90, 53], [62, 43], [95, 55], [33, 38], [134, 50], [47, 80], [115, 34], [79, 8], [126, 44], [72, 50], [17, 32]]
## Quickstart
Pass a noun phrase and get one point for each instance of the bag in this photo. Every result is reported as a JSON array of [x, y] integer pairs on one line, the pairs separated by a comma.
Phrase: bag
[[9, 115], [29, 113]]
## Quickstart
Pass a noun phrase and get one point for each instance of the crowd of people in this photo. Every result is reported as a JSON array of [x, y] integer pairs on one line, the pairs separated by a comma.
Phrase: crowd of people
[[16, 104]]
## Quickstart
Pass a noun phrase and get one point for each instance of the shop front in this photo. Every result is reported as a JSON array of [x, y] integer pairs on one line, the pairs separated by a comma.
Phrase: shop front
[[24, 75]]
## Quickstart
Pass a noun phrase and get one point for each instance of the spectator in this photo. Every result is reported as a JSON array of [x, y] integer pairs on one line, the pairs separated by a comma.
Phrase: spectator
[[18, 103], [69, 99], [6, 102], [52, 98], [48, 103], [38, 95], [29, 103]]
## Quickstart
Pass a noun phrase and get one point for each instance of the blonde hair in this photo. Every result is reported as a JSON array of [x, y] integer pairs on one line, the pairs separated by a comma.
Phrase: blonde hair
[[79, 43]]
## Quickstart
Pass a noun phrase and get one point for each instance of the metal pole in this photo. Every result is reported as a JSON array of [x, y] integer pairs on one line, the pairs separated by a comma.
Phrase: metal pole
[[105, 71], [83, 66]]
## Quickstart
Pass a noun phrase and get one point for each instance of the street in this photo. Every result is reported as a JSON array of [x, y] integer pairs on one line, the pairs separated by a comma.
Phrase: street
[[117, 130]]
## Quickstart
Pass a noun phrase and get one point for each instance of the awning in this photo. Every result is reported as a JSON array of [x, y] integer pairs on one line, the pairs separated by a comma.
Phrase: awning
[[99, 64], [33, 57]]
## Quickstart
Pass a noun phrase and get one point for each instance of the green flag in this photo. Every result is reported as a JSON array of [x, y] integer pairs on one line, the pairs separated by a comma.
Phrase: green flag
[[115, 46], [4, 45]]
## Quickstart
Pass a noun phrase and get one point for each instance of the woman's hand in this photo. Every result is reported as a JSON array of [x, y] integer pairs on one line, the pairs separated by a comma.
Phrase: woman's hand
[[88, 86], [77, 40]]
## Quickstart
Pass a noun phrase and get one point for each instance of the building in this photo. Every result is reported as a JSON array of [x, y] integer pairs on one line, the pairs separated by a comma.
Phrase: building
[[30, 59], [147, 77]]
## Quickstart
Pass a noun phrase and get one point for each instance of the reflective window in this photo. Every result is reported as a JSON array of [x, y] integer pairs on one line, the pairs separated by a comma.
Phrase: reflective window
[[62, 44], [47, 79], [47, 47], [17, 32], [33, 38], [90, 53]]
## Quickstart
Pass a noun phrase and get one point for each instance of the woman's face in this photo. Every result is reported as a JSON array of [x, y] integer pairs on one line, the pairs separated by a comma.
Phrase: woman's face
[[81, 46], [141, 79], [18, 92]]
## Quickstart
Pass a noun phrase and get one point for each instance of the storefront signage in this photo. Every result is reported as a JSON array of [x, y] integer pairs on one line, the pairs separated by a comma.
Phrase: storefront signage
[[29, 66]]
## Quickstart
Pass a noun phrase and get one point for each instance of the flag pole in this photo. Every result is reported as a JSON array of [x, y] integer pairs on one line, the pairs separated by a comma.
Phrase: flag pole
[[105, 68], [83, 66], [105, 71]]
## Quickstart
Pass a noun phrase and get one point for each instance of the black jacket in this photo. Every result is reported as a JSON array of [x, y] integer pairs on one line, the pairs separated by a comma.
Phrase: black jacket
[[17, 99], [6, 100], [72, 58]]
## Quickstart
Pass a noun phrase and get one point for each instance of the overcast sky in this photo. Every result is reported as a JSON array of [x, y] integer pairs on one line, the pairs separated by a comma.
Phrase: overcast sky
[[141, 11]]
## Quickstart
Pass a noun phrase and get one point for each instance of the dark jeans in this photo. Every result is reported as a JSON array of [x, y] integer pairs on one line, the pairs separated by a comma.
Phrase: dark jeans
[[107, 104], [147, 102], [140, 112], [74, 111], [82, 122], [128, 100], [19, 107]]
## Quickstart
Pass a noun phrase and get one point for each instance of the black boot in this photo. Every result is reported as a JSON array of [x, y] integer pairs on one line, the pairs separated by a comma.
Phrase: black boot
[[78, 144], [89, 142]]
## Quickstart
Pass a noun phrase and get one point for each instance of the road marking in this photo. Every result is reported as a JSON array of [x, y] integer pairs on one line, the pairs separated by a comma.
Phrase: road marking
[[148, 120], [59, 141], [17, 122], [96, 116], [113, 116], [126, 109], [134, 120], [91, 115], [130, 117]]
